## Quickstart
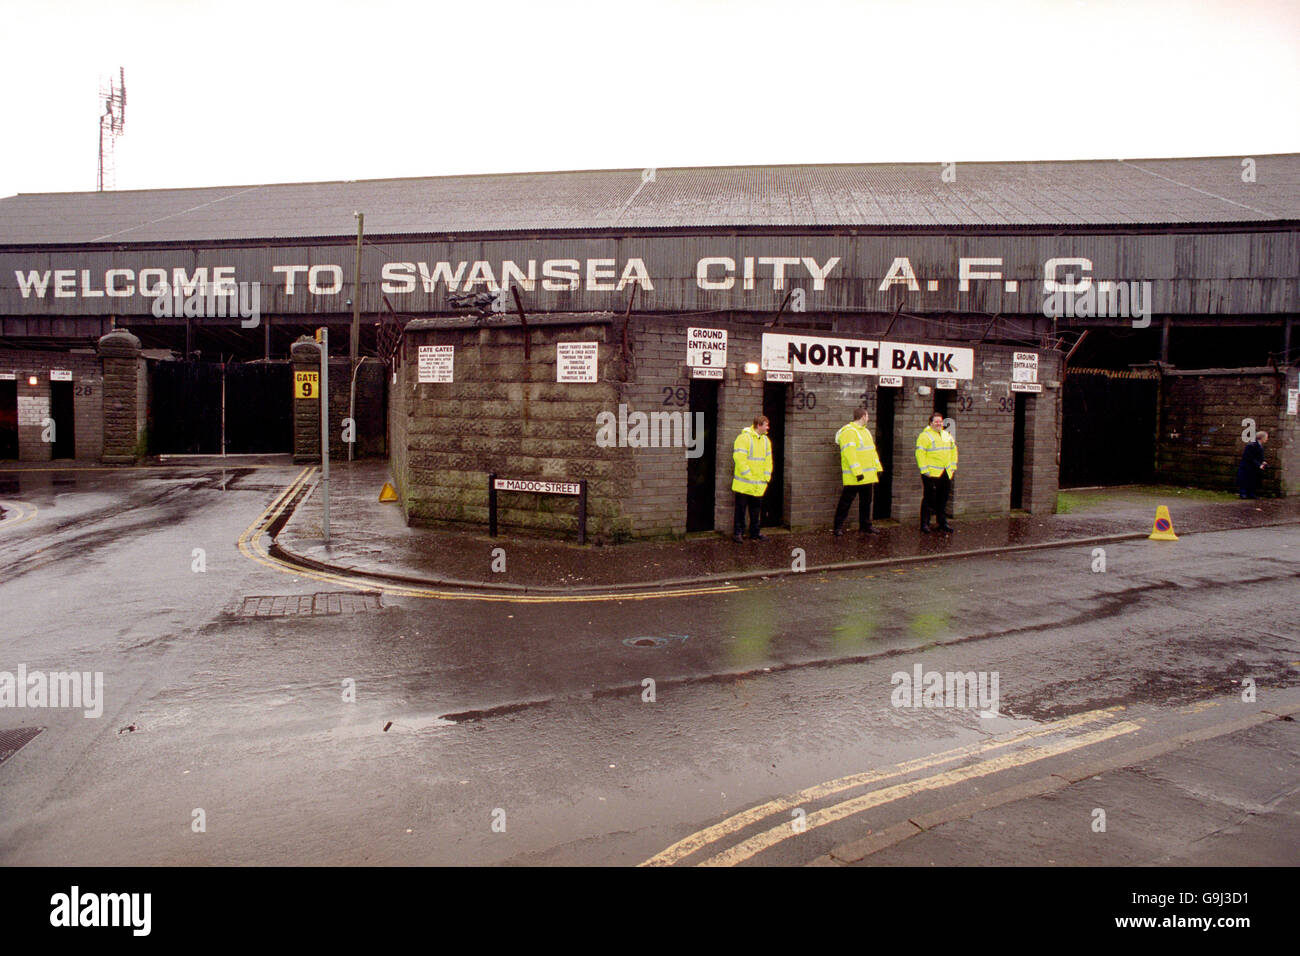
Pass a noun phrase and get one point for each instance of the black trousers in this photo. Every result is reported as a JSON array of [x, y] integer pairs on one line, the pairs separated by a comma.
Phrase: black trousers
[[934, 499], [863, 493], [755, 506]]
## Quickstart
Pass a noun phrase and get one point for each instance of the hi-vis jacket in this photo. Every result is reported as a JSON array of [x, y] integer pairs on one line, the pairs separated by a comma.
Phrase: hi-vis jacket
[[936, 452], [859, 460], [752, 456]]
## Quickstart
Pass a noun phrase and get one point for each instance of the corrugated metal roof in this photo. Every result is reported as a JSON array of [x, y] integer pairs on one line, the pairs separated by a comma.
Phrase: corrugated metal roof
[[1068, 194]]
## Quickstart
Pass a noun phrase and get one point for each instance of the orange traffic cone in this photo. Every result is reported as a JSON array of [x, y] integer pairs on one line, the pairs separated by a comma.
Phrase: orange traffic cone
[[1163, 529]]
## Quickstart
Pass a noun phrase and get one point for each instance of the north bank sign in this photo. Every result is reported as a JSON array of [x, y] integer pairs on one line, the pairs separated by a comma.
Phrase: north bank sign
[[814, 353]]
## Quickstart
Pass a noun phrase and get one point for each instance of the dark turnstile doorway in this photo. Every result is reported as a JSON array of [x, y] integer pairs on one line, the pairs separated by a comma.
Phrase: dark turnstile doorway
[[774, 398], [1018, 454], [702, 472], [9, 419], [883, 495], [1108, 427], [61, 411]]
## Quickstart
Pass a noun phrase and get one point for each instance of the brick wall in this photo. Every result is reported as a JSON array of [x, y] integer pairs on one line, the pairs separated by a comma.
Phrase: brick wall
[[87, 400], [370, 433], [124, 399], [658, 383], [502, 414], [1201, 427]]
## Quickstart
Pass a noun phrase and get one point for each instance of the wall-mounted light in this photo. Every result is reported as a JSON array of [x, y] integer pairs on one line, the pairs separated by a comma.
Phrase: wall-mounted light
[[32, 380], [751, 368], [923, 390]]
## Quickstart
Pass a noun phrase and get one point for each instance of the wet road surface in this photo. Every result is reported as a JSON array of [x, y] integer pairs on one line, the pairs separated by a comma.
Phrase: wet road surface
[[527, 733]]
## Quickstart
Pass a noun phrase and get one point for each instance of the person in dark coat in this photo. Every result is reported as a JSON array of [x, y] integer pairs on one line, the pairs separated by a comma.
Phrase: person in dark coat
[[1252, 463]]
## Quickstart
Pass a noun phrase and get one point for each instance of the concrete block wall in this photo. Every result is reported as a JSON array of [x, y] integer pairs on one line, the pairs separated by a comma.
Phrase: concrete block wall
[[508, 416], [398, 431], [87, 400], [1285, 446], [1201, 428]]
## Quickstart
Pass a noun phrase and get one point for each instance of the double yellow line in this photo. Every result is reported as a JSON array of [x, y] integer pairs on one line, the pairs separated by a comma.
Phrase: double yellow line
[[26, 512], [769, 838], [251, 546]]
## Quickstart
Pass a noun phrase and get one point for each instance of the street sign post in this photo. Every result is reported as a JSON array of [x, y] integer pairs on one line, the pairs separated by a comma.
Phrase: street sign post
[[323, 336]]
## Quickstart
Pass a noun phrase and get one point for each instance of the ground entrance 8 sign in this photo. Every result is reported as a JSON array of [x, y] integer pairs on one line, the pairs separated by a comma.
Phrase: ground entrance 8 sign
[[706, 348], [1024, 367], [814, 353]]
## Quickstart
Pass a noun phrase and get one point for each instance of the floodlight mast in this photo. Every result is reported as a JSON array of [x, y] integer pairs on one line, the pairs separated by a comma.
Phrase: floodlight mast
[[112, 123]]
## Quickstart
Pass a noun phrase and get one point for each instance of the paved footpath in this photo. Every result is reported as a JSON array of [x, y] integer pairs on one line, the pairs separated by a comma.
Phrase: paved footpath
[[368, 538]]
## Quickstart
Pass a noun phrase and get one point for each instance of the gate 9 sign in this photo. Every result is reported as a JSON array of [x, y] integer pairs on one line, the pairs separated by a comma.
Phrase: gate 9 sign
[[306, 384]]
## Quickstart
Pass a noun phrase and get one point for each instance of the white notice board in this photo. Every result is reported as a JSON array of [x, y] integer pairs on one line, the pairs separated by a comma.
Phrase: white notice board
[[436, 363], [576, 361]]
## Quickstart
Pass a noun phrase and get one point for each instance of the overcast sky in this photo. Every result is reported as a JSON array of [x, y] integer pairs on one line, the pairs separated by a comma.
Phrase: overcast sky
[[235, 92]]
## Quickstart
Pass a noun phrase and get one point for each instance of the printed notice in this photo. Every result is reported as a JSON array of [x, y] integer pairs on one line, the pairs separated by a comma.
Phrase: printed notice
[[576, 361], [436, 363]]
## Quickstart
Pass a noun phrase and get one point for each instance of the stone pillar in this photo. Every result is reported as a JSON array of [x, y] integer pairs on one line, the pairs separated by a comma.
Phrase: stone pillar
[[124, 396], [305, 353]]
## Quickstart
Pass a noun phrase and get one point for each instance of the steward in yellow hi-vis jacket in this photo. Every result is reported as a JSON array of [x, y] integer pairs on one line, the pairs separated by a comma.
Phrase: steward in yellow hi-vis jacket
[[860, 468], [752, 456], [936, 456]]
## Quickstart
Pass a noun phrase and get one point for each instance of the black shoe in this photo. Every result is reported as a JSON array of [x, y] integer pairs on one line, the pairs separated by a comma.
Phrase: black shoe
[[758, 537], [868, 531], [839, 532], [925, 529], [947, 528], [738, 538]]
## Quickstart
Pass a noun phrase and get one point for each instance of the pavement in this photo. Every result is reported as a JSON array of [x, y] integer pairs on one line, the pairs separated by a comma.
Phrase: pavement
[[372, 540]]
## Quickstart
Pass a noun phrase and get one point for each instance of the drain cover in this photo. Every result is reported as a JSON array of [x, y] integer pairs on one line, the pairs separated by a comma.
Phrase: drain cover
[[323, 602], [12, 741], [645, 641]]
